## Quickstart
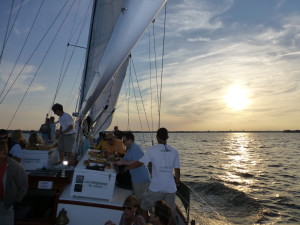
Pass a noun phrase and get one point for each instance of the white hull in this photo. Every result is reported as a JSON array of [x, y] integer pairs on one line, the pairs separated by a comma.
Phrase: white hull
[[92, 211]]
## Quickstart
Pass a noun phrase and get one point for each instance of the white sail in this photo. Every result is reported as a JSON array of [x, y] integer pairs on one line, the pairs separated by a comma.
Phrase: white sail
[[104, 17], [102, 113], [134, 17]]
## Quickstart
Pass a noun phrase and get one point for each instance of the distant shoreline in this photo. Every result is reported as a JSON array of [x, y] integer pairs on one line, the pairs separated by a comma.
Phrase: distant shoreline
[[230, 131], [226, 131]]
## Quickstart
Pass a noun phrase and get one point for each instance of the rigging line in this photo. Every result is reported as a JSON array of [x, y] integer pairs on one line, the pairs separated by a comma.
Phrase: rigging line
[[77, 75], [140, 95], [73, 24], [162, 64], [150, 75], [129, 81], [5, 36], [62, 76], [138, 111], [128, 94], [63, 60], [30, 30], [40, 66], [155, 63], [34, 51], [200, 198]]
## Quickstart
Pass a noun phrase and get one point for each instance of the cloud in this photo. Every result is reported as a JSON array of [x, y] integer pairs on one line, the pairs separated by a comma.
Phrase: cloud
[[21, 83]]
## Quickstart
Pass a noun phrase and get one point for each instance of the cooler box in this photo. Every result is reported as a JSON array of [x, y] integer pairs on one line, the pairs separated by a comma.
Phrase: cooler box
[[34, 159], [92, 183]]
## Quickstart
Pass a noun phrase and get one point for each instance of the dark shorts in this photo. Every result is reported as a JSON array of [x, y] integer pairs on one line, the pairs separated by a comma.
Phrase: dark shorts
[[66, 143]]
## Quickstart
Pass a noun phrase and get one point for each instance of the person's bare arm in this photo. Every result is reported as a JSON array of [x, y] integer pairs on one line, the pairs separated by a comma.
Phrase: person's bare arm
[[177, 176], [68, 129], [129, 164]]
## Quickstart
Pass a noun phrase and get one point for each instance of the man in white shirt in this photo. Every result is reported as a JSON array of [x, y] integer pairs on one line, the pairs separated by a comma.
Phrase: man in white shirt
[[164, 159], [67, 133]]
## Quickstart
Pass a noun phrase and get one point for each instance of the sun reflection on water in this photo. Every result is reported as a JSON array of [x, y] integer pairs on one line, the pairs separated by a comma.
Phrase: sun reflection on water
[[240, 163]]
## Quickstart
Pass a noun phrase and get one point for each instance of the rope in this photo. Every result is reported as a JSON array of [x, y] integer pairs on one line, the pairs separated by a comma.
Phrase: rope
[[34, 51], [78, 89], [162, 66], [62, 75], [6, 36], [40, 66], [150, 74], [66, 50], [137, 81], [128, 95], [136, 103], [201, 199], [155, 63], [15, 64]]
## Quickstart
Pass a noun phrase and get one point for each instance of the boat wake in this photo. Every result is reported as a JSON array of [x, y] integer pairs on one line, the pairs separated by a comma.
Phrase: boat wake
[[214, 203]]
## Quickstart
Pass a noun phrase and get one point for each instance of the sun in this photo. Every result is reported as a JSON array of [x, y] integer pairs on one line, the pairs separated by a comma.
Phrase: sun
[[237, 98]]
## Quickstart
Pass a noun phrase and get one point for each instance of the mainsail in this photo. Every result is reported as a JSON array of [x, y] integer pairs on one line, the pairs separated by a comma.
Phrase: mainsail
[[116, 27]]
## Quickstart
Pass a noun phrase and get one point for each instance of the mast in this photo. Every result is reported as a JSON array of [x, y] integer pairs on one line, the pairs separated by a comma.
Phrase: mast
[[86, 57]]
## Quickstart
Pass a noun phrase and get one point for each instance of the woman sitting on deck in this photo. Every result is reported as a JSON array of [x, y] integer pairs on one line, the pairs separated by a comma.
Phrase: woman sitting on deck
[[16, 142], [36, 143], [161, 214], [131, 214]]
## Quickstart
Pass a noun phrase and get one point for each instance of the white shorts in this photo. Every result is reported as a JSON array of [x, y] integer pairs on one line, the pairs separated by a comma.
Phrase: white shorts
[[150, 197]]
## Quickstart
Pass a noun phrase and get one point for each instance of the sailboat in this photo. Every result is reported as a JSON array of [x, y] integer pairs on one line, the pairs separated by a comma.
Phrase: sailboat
[[115, 28]]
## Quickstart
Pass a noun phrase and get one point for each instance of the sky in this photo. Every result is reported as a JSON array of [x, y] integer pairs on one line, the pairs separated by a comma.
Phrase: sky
[[227, 65]]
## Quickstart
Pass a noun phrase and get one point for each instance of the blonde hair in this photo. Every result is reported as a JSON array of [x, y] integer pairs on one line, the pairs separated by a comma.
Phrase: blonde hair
[[132, 201], [163, 211]]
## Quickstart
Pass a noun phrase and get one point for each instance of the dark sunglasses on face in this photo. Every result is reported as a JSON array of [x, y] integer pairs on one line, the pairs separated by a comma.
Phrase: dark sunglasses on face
[[126, 208], [2, 138]]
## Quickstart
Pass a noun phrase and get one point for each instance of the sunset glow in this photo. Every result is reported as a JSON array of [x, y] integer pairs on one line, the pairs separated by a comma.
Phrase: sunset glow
[[237, 98]]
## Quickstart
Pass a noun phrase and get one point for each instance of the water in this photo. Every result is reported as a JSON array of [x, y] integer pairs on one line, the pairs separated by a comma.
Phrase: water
[[240, 178]]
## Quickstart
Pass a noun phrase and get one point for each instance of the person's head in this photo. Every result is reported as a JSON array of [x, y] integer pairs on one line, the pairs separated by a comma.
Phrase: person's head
[[17, 135], [162, 135], [116, 128], [162, 213], [57, 109], [33, 139], [131, 206], [3, 135], [52, 119], [110, 138], [3, 150], [128, 138]]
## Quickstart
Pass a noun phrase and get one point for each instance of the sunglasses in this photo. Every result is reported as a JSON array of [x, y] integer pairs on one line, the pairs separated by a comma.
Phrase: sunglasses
[[2, 138], [127, 208], [109, 139]]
